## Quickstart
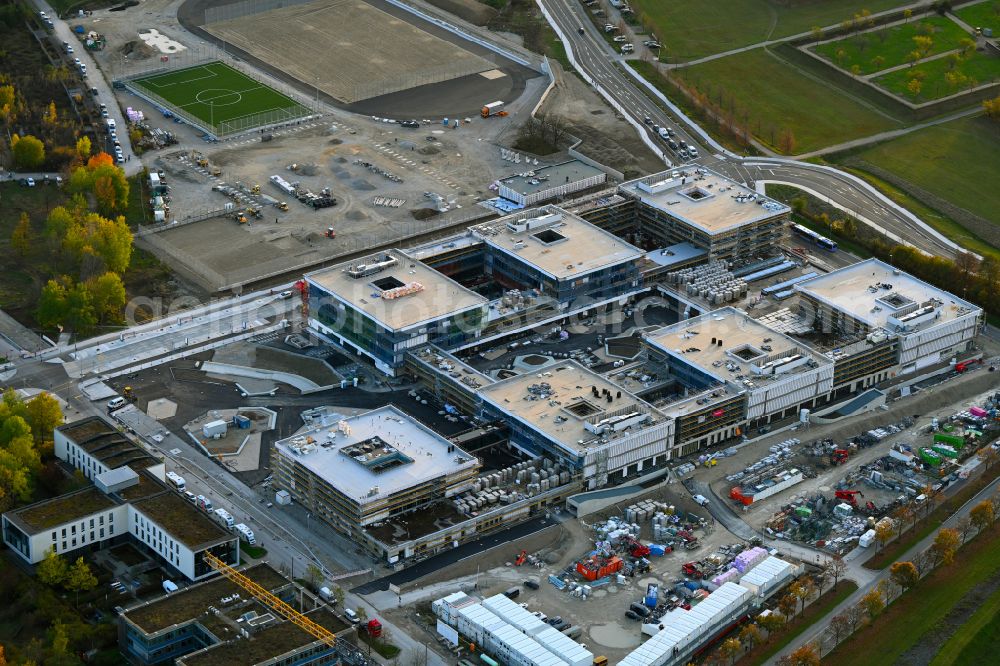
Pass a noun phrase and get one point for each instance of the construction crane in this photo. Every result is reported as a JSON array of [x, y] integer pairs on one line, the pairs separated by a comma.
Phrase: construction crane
[[347, 651]]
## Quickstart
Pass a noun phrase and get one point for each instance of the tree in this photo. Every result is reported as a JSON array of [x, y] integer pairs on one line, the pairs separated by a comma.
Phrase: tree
[[804, 589], [883, 533], [362, 614], [924, 45], [988, 455], [877, 62], [108, 295], [901, 515], [80, 315], [907, 15], [80, 578], [915, 86], [20, 238], [786, 141], [83, 147], [60, 640], [840, 625], [53, 569], [837, 568], [807, 655], [43, 414], [944, 547], [771, 623], [904, 574], [991, 107], [817, 33], [965, 527], [854, 614], [29, 152], [856, 69], [338, 595], [52, 304], [314, 575], [873, 604], [788, 602], [751, 635], [730, 649], [982, 515]]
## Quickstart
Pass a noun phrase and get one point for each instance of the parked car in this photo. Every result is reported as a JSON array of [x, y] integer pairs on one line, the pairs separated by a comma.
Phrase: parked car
[[409, 123]]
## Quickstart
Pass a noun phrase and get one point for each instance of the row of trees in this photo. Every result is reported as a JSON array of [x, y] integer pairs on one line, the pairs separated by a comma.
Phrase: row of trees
[[975, 280], [39, 136], [25, 437], [905, 575]]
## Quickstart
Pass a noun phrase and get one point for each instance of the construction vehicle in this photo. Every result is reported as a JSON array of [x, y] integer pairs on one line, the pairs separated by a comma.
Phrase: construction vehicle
[[839, 456], [282, 205], [493, 109], [128, 394], [349, 654], [849, 496], [330, 233], [635, 547], [255, 189], [202, 162], [522, 556], [693, 570]]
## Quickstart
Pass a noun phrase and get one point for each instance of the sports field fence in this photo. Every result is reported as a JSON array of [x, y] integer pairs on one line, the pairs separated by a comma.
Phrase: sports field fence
[[225, 128], [238, 10]]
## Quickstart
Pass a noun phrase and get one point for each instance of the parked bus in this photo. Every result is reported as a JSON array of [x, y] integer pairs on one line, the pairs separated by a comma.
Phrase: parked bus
[[809, 234]]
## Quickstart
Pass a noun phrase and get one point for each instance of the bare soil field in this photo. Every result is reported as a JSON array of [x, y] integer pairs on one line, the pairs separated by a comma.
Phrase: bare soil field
[[348, 48]]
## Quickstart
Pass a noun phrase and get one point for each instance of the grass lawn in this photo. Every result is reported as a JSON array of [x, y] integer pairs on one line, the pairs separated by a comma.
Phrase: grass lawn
[[983, 15], [976, 639], [817, 610], [978, 68], [255, 552], [919, 610], [892, 44], [818, 114], [691, 29], [222, 97], [958, 161]]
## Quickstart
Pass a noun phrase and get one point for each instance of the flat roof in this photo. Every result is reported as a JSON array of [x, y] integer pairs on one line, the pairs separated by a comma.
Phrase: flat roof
[[192, 602], [273, 641], [560, 403], [873, 291], [63, 509], [544, 178], [396, 290], [182, 520], [370, 456], [703, 199], [728, 344], [556, 242], [675, 254], [105, 443]]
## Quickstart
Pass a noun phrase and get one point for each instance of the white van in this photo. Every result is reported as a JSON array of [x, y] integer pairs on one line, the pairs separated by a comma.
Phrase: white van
[[351, 616], [116, 402]]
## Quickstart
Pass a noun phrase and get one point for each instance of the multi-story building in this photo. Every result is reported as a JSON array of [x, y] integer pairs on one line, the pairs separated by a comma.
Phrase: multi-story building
[[218, 623], [370, 468], [94, 446], [539, 184], [122, 506], [385, 304], [877, 322], [728, 353], [578, 417], [125, 503], [559, 256], [698, 206]]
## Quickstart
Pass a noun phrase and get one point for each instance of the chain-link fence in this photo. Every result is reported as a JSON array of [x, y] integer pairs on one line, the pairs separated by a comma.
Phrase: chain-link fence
[[238, 10]]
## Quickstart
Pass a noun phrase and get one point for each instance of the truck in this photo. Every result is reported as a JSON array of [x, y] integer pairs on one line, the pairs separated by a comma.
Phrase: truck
[[177, 481], [492, 109], [867, 539], [283, 185], [225, 518], [247, 534], [326, 594], [373, 628]]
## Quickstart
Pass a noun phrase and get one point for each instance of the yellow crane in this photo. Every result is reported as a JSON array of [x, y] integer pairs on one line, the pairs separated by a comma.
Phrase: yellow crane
[[271, 601]]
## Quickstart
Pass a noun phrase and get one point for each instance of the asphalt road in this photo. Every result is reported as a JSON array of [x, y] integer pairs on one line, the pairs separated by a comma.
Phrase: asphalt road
[[593, 55]]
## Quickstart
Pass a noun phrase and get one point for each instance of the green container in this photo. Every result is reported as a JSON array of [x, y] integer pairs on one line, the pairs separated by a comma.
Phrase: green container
[[930, 457], [945, 450], [953, 440]]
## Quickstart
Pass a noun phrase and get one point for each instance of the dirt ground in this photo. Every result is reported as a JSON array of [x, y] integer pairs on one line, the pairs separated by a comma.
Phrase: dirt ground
[[607, 138], [472, 11], [325, 42]]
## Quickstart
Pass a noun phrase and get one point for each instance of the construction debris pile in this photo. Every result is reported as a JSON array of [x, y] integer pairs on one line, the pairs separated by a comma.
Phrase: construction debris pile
[[378, 170]]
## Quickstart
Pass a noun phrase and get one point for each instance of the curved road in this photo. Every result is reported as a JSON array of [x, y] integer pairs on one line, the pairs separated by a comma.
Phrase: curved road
[[590, 53]]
